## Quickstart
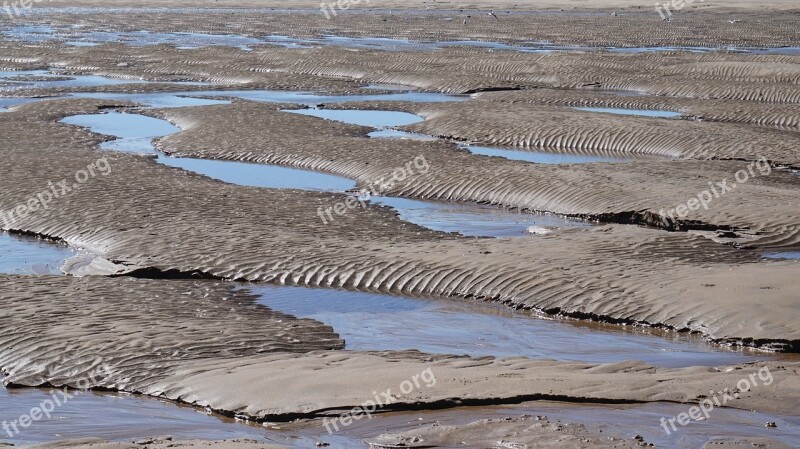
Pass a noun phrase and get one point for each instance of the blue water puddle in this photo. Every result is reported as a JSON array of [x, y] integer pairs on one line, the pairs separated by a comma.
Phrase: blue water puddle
[[114, 417], [31, 255], [59, 80], [200, 98], [789, 255], [6, 74], [6, 103], [373, 119], [540, 157], [260, 175], [397, 134], [56, 79], [154, 100], [475, 220], [134, 132], [81, 44], [76, 37], [368, 321], [640, 112], [309, 99]]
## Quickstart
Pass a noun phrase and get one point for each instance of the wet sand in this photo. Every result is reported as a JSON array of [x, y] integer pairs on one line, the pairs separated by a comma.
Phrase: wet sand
[[158, 244]]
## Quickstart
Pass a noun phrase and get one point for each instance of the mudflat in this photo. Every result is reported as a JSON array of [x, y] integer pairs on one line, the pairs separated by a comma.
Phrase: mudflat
[[691, 225]]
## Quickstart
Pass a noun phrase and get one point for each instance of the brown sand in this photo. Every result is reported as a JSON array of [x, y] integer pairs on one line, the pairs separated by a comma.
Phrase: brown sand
[[522, 5], [155, 443], [151, 325], [637, 194], [618, 273], [237, 358], [204, 345], [533, 431]]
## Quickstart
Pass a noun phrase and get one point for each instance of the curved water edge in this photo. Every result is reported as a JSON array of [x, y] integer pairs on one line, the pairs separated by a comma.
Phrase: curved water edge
[[782, 255], [638, 112], [112, 416], [377, 322], [476, 220], [57, 78], [201, 98], [26, 255], [124, 417], [135, 133], [372, 119]]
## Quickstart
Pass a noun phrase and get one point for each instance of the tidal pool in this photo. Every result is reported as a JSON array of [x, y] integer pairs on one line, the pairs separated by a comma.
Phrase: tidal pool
[[311, 99], [790, 255], [6, 103], [475, 220], [134, 132], [112, 416], [261, 175], [20, 254], [397, 134], [370, 321], [373, 119], [154, 100], [640, 112]]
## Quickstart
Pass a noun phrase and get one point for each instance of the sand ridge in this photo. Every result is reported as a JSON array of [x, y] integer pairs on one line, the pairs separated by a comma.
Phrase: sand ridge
[[214, 348], [592, 274], [639, 194]]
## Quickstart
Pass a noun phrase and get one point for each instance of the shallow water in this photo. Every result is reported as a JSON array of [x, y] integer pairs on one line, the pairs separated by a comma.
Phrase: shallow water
[[6, 103], [389, 44], [310, 99], [125, 417], [791, 255], [48, 79], [134, 132], [189, 40], [474, 220], [261, 175], [31, 255], [113, 416], [541, 157], [626, 421], [397, 134], [641, 112], [77, 37], [368, 321], [59, 80], [373, 119], [153, 100]]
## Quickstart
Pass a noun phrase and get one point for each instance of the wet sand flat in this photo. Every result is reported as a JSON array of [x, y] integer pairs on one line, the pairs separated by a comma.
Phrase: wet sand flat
[[677, 107], [354, 251]]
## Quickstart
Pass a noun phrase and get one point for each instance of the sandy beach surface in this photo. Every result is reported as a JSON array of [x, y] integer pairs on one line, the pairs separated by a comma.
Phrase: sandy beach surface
[[177, 156]]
